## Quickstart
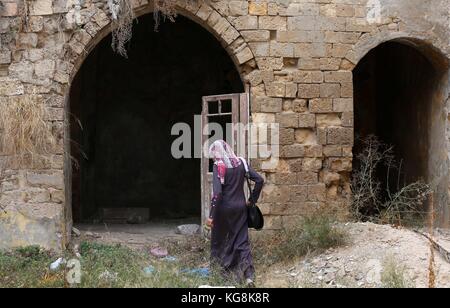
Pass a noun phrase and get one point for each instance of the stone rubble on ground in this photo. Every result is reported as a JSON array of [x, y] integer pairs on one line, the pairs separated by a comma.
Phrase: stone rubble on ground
[[191, 229]]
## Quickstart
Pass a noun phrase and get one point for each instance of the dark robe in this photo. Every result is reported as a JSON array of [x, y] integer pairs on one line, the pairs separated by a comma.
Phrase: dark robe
[[230, 245]]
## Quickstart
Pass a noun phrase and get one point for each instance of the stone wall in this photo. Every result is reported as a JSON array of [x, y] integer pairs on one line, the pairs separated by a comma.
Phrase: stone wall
[[297, 55]]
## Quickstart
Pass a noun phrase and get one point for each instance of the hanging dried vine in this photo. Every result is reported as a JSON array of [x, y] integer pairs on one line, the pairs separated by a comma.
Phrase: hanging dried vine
[[123, 17], [122, 23], [165, 9]]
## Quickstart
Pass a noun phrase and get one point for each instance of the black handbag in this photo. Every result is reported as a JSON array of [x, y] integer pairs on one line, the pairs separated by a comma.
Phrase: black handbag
[[254, 215]]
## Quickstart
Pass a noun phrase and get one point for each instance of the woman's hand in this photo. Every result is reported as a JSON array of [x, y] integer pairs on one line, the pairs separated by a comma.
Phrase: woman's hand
[[209, 222]]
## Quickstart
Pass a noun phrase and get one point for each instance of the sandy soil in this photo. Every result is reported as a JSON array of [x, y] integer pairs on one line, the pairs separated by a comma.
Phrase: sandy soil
[[362, 262]]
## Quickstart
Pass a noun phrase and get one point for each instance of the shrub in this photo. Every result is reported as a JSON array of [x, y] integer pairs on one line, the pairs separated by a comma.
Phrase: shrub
[[312, 234]]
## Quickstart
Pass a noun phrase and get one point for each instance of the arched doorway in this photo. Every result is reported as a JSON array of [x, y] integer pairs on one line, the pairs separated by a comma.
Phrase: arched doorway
[[399, 96], [122, 111]]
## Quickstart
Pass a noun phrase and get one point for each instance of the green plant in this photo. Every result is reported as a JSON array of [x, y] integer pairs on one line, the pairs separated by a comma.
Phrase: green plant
[[107, 266], [394, 275], [313, 234]]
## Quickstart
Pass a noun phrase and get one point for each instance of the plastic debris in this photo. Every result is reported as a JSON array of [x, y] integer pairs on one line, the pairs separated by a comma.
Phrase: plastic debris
[[216, 287], [159, 252], [170, 259], [149, 270], [57, 264], [202, 272]]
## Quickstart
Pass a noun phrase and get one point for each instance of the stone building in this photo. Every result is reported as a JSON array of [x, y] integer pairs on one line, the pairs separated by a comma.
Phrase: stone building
[[325, 70]]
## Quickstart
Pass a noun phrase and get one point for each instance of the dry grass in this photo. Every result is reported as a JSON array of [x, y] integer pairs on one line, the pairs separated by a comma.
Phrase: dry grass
[[394, 275], [311, 235], [25, 131], [165, 9], [122, 24], [123, 17]]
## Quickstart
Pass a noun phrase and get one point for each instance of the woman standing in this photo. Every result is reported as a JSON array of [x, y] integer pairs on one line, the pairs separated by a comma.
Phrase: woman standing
[[230, 245]]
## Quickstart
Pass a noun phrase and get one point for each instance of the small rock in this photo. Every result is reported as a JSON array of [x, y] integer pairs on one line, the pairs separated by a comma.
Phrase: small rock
[[188, 229], [91, 234], [359, 276], [76, 250], [76, 232], [197, 249], [108, 276]]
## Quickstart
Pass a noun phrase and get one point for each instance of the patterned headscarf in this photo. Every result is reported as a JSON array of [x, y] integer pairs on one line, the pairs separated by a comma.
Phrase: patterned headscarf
[[224, 157]]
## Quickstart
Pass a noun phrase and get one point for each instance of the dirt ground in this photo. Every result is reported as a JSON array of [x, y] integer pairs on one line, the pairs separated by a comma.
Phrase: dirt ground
[[362, 261], [134, 236]]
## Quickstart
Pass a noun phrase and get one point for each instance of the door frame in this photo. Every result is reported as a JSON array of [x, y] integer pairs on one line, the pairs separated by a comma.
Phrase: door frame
[[240, 114]]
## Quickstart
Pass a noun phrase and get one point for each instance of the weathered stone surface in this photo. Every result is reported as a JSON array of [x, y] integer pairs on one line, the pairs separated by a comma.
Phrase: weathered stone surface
[[54, 180], [188, 229], [256, 35], [45, 68], [9, 9], [257, 8], [238, 8], [244, 55], [245, 22], [10, 87], [321, 105], [308, 90], [340, 135], [272, 22], [298, 56], [270, 104], [307, 120], [41, 7]]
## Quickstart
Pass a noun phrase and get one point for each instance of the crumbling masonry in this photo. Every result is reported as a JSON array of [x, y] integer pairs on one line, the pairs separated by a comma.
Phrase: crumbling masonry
[[298, 56]]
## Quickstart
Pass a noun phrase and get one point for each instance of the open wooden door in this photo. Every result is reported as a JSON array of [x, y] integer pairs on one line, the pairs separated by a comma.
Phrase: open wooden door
[[218, 111]]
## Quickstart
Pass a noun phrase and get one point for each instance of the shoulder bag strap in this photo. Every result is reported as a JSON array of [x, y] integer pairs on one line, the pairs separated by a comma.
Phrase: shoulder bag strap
[[247, 177]]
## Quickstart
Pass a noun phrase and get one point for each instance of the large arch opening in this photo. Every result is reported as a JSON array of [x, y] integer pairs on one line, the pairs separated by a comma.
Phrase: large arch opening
[[122, 112], [400, 92]]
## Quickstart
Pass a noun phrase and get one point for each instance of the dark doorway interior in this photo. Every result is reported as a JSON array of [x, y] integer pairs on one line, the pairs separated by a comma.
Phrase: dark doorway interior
[[398, 98], [123, 111]]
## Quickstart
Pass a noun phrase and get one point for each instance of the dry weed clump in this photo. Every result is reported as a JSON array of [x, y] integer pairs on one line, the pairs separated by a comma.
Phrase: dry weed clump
[[384, 202], [122, 16], [395, 275], [25, 132], [310, 235], [122, 24]]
